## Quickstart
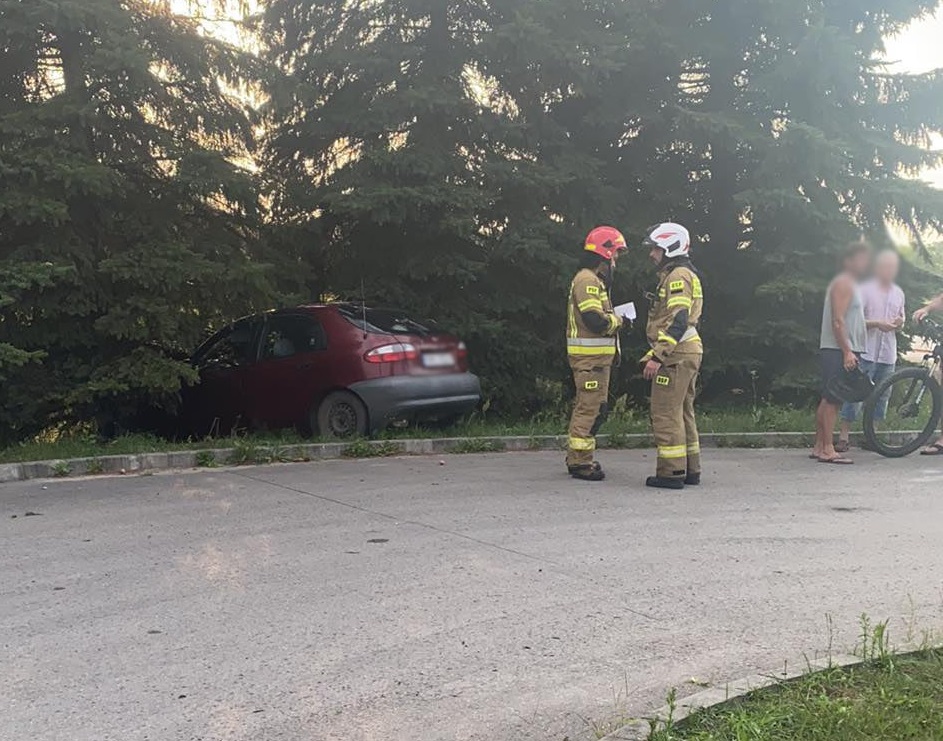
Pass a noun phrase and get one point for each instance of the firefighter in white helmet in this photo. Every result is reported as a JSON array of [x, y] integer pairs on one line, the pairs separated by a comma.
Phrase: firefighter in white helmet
[[674, 361]]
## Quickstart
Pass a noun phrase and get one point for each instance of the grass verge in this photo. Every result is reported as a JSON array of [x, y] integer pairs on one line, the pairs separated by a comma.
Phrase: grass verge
[[894, 697], [63, 445]]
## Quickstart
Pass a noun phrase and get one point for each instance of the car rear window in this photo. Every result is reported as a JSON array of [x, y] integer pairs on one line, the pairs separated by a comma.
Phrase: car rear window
[[383, 321]]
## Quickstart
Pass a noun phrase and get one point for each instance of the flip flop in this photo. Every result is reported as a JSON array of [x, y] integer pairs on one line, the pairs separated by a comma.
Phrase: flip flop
[[842, 446], [839, 461], [935, 449]]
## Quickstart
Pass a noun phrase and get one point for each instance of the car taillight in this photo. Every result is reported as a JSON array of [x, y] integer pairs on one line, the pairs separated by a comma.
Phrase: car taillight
[[461, 356], [392, 353]]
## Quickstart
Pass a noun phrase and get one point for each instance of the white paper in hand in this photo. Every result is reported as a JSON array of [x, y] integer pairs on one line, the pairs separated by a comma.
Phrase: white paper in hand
[[626, 311]]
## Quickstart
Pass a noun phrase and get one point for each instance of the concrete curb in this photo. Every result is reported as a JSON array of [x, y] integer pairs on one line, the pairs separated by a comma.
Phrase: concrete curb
[[641, 729], [249, 454]]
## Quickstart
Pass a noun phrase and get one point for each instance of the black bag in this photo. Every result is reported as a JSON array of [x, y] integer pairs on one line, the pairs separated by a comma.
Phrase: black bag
[[852, 386]]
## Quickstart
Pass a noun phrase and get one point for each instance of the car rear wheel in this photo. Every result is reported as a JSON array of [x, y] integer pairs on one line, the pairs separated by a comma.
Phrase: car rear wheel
[[341, 414]]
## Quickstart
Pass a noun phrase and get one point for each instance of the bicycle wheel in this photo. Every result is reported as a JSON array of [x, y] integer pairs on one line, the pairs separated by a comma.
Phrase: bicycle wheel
[[914, 402]]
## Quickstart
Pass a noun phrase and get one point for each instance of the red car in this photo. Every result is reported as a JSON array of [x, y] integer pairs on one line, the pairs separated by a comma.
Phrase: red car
[[336, 370]]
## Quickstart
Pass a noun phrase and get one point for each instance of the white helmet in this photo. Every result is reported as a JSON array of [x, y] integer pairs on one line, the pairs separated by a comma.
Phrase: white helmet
[[674, 239]]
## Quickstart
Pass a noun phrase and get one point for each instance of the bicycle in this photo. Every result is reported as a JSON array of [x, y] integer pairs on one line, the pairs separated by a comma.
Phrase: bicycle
[[913, 399]]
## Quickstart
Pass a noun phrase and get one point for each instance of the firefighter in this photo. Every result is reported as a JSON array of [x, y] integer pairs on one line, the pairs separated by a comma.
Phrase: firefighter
[[592, 347], [674, 361]]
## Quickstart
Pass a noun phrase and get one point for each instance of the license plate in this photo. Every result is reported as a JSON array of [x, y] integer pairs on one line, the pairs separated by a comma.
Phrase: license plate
[[438, 359]]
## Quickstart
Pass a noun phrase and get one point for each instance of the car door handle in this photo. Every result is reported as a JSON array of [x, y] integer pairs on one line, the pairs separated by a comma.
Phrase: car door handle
[[305, 366]]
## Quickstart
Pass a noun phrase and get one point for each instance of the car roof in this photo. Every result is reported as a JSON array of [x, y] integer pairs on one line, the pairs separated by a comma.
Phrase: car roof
[[315, 307]]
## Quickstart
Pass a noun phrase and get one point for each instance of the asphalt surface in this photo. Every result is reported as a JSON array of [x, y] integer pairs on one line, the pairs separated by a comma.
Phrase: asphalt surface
[[487, 598]]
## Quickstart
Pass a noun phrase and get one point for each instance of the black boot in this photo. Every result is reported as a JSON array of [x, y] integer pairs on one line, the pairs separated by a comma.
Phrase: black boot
[[590, 472], [692, 479], [661, 482]]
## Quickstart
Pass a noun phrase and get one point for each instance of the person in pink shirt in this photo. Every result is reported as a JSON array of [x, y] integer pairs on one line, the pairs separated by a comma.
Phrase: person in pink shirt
[[884, 312]]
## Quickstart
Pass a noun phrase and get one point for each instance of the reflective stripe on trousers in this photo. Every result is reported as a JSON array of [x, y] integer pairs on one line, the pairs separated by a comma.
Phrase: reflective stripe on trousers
[[589, 411], [582, 444], [673, 452], [673, 422]]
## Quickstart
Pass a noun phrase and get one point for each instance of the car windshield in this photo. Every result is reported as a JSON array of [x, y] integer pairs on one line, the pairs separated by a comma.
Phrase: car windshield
[[383, 321]]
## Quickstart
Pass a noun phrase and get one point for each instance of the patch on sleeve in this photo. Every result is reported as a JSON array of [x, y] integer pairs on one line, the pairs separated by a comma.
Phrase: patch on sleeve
[[592, 290], [677, 286]]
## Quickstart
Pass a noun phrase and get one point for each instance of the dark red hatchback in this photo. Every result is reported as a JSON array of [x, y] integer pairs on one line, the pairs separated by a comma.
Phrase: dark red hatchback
[[335, 369]]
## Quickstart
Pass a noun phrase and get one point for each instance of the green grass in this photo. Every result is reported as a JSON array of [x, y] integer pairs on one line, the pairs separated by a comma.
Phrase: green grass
[[364, 449], [248, 451], [271, 447], [761, 419], [205, 459], [476, 445], [891, 698], [80, 445], [623, 422]]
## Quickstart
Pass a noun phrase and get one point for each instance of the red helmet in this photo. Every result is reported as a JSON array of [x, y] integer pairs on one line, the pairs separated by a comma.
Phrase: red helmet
[[605, 242]]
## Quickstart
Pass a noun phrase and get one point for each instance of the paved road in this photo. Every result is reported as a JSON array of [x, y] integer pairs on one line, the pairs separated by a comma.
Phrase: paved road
[[488, 598]]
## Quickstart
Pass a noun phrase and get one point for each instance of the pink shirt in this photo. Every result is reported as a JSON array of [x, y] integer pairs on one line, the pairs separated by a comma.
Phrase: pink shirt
[[881, 304]]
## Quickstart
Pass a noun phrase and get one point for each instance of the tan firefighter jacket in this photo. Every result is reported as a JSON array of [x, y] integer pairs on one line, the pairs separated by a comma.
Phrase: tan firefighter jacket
[[675, 313], [592, 327]]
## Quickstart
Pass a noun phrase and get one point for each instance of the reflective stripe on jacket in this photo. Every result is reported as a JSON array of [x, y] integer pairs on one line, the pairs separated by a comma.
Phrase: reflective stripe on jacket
[[675, 313], [588, 294]]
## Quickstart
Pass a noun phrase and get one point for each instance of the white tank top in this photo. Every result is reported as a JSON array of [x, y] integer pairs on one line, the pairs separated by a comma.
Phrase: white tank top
[[855, 325]]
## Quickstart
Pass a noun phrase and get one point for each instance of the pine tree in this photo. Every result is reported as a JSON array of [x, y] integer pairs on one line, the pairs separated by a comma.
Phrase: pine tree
[[796, 140], [126, 229]]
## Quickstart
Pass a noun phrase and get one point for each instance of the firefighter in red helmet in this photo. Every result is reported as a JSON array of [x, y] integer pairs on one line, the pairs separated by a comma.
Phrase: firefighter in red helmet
[[592, 347]]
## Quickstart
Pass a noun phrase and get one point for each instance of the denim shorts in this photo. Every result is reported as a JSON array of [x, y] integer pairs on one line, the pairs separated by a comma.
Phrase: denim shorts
[[877, 372]]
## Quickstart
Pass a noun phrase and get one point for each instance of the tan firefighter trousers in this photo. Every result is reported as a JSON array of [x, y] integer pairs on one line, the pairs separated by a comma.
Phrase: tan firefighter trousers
[[673, 422], [590, 409]]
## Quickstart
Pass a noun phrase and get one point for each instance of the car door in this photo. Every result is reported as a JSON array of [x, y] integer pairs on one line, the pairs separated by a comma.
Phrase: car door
[[291, 371], [217, 403]]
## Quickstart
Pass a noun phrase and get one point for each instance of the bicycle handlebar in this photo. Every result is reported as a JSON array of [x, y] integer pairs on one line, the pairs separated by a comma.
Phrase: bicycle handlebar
[[930, 329]]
